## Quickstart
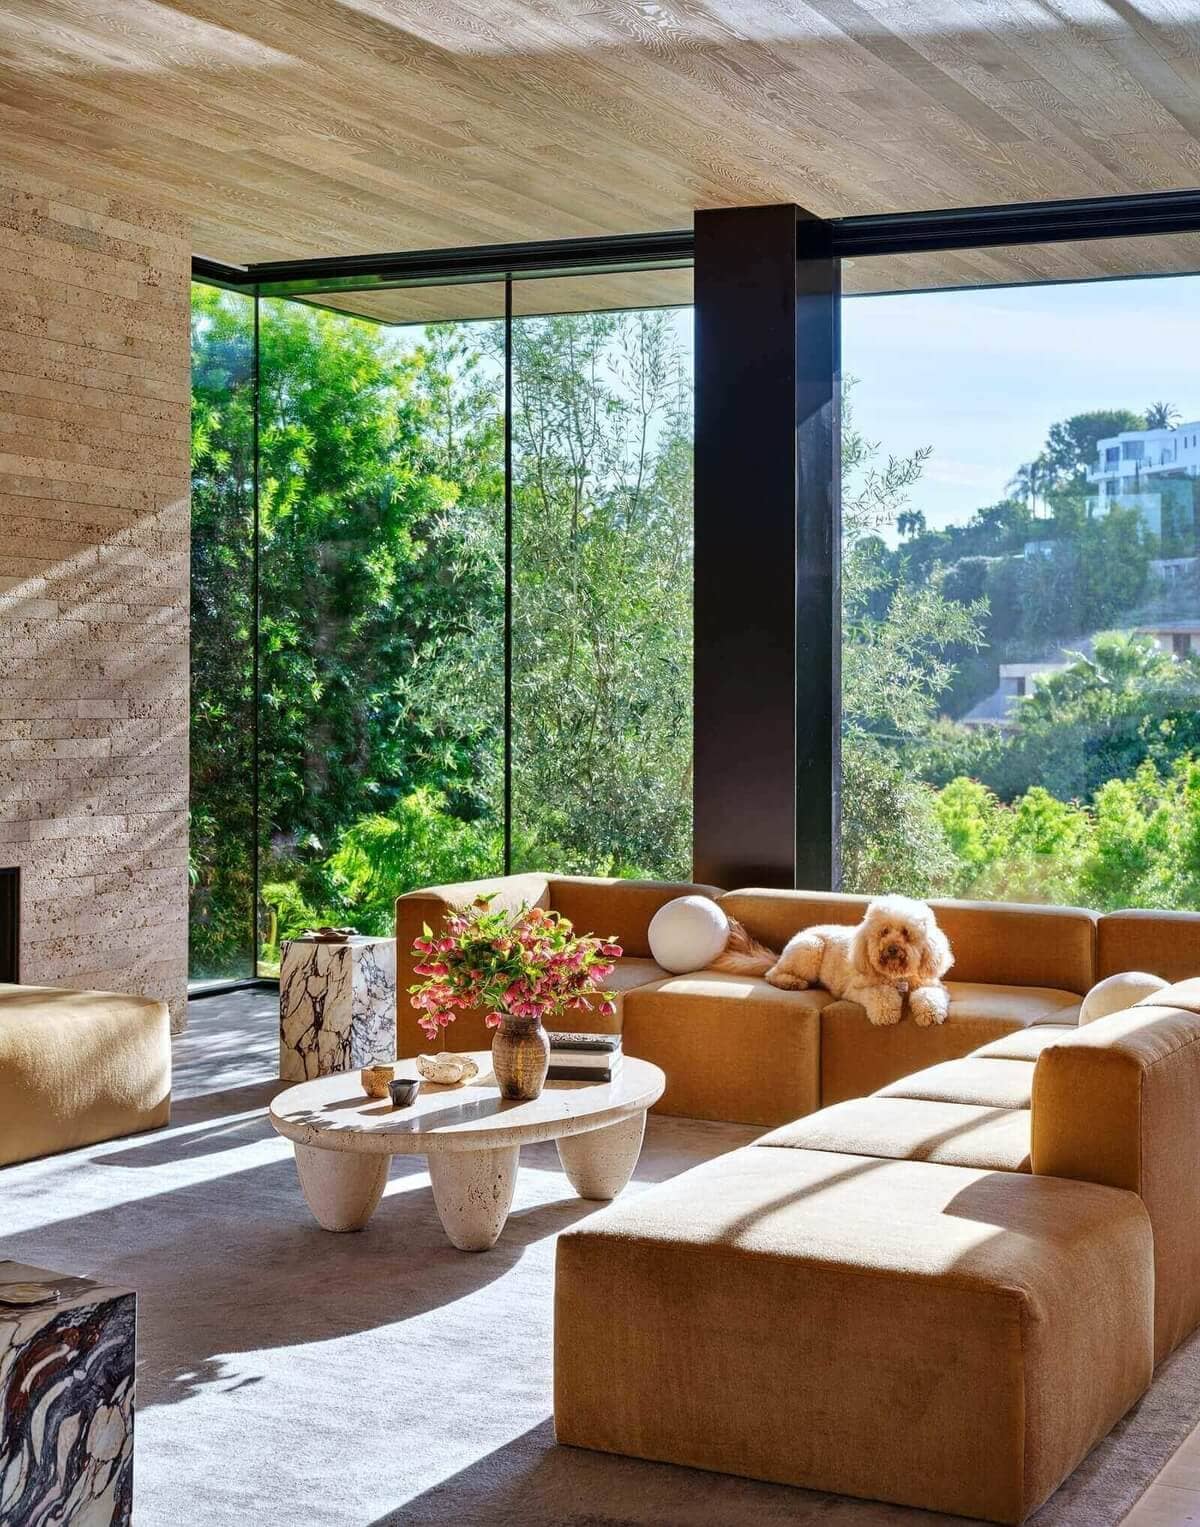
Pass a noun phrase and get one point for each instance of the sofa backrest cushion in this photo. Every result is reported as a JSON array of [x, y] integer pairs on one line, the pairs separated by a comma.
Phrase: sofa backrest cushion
[[774, 916], [1118, 1103], [1166, 944], [622, 908], [994, 943], [1007, 944]]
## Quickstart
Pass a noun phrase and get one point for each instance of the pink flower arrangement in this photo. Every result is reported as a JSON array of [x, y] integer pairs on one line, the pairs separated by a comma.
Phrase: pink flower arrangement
[[524, 964]]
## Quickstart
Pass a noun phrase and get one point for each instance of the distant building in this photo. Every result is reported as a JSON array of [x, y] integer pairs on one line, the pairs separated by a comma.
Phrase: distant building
[[1180, 638], [1140, 468], [1016, 681]]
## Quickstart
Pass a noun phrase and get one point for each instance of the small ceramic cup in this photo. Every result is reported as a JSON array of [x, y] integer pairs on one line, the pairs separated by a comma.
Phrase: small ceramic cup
[[376, 1080], [404, 1091]]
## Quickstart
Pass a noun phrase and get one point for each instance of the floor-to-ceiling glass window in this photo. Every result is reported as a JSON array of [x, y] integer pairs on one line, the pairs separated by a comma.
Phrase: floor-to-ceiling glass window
[[406, 566], [380, 629], [602, 574], [221, 859], [1021, 658]]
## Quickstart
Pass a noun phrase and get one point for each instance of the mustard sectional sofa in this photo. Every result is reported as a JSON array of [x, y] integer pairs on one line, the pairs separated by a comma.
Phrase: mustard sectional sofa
[[79, 1066], [735, 1048], [941, 1295]]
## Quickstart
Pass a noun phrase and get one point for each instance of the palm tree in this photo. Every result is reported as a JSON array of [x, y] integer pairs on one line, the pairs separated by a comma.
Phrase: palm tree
[[1032, 480], [1162, 416], [911, 522]]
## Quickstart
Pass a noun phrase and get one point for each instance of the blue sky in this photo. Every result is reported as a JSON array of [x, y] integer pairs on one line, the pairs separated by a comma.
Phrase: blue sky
[[981, 375]]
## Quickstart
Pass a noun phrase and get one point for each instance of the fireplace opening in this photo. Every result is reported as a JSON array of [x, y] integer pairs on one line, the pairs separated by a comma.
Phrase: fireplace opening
[[10, 924]]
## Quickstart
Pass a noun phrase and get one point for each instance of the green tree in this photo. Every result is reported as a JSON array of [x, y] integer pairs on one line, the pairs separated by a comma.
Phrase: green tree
[[379, 506], [602, 498], [896, 637], [1073, 444], [222, 689]]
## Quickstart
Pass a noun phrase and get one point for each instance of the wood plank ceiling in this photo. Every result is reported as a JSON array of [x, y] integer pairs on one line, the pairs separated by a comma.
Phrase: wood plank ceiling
[[290, 128]]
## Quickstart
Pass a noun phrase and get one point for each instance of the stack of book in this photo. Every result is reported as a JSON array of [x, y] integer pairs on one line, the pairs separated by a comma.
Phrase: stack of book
[[584, 1057]]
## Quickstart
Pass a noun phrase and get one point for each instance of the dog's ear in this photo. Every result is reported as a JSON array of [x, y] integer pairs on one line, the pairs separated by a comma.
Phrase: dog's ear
[[936, 958], [857, 951]]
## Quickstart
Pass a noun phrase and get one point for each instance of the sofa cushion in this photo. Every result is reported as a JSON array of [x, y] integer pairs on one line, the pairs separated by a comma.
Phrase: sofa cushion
[[915, 1129], [732, 1047], [79, 1066], [1165, 943], [894, 1330], [1182, 994], [985, 1083], [1118, 1102], [1024, 1044], [620, 908], [857, 1059]]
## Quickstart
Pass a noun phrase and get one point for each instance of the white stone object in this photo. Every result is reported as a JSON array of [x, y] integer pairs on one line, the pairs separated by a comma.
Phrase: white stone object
[[447, 1069], [66, 1403], [471, 1137], [337, 1006], [1115, 993], [688, 934]]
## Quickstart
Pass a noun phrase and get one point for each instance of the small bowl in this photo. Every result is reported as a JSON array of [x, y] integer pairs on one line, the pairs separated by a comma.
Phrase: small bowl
[[404, 1091], [376, 1080]]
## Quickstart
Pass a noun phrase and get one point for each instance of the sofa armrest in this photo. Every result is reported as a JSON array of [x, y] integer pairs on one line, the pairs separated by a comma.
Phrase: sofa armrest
[[1116, 1102], [430, 905]]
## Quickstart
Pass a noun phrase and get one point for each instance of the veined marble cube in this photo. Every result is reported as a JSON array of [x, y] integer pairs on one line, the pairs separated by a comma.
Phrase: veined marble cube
[[66, 1402], [337, 1006]]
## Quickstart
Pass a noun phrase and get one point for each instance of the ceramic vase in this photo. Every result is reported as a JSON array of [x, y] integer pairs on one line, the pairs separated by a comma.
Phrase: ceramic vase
[[520, 1057]]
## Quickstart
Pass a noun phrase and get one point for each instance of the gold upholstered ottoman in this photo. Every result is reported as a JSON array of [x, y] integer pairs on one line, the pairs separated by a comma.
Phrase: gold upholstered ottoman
[[938, 1336], [79, 1066]]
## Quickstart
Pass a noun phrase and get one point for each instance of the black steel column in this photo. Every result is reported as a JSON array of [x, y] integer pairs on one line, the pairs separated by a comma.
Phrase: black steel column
[[768, 533]]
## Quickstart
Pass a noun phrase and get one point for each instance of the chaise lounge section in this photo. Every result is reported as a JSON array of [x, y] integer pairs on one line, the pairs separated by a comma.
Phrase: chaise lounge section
[[942, 1295]]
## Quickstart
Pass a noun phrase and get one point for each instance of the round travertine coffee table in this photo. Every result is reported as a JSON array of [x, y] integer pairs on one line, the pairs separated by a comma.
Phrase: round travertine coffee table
[[471, 1136]]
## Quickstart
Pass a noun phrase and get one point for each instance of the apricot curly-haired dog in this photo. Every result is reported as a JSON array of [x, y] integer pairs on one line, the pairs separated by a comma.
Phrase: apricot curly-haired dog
[[897, 947]]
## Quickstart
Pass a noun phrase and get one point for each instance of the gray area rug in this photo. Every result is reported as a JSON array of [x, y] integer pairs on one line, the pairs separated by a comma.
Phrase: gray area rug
[[287, 1375]]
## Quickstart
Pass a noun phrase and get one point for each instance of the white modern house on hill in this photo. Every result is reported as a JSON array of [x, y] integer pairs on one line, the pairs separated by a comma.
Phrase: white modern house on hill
[[1133, 469]]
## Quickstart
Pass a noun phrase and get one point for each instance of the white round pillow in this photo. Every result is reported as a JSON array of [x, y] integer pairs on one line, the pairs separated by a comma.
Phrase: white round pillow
[[1115, 993], [688, 934]]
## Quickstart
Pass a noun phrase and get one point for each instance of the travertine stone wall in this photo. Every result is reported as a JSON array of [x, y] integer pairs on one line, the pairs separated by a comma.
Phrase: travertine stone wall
[[94, 401]]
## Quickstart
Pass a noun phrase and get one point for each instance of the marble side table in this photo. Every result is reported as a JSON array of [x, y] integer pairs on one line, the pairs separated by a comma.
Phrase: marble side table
[[66, 1403], [337, 1006]]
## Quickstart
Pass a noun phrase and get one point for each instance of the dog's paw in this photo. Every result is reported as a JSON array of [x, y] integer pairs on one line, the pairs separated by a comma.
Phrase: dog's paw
[[928, 1008], [884, 1009], [785, 980]]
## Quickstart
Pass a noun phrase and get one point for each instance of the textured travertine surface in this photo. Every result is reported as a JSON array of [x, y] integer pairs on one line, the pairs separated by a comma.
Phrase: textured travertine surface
[[332, 1114], [337, 1006], [94, 479]]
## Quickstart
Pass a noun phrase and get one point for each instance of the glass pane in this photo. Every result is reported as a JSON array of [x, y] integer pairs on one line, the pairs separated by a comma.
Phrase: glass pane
[[381, 715], [602, 591], [1021, 664], [221, 936]]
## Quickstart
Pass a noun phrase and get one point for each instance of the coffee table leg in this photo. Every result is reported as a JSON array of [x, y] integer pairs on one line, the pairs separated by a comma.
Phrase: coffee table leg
[[342, 1187], [601, 1161], [473, 1191]]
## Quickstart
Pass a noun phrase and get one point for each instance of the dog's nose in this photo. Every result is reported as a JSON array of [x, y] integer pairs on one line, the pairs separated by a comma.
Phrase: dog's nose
[[892, 951]]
